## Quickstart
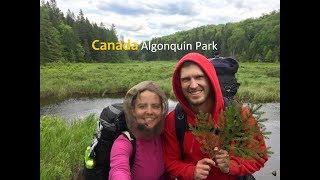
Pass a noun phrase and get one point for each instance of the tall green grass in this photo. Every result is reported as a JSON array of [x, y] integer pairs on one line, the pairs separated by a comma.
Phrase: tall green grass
[[64, 80], [62, 146], [259, 81]]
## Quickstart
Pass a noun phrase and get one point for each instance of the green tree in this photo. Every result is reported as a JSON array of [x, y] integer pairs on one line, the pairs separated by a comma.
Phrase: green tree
[[72, 49], [70, 18], [269, 57], [82, 28], [247, 40], [50, 40]]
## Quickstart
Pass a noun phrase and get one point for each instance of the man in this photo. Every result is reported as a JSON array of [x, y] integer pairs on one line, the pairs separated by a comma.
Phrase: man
[[196, 87]]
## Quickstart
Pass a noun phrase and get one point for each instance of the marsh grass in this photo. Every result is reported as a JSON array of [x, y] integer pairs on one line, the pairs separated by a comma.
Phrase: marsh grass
[[62, 146], [260, 82]]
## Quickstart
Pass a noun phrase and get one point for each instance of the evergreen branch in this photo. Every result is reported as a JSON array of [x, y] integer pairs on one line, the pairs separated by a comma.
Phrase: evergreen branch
[[236, 132]]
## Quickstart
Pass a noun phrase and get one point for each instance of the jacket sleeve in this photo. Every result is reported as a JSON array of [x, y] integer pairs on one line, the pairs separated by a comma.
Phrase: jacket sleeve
[[171, 152], [241, 166], [119, 159]]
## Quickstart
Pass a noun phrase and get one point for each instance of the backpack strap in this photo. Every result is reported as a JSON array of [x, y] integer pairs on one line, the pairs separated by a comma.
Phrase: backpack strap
[[181, 126], [226, 101], [132, 139]]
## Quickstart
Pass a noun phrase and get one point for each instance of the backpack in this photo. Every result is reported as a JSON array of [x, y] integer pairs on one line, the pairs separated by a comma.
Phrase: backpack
[[97, 156], [226, 68]]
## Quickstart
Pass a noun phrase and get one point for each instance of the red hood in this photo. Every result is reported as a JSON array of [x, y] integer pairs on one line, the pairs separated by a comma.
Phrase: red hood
[[209, 70]]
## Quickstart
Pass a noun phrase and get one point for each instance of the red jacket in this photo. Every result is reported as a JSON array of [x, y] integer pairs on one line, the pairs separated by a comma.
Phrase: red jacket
[[192, 153]]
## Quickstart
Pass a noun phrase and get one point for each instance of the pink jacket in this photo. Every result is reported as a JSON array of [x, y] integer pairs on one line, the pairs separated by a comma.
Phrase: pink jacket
[[148, 162]]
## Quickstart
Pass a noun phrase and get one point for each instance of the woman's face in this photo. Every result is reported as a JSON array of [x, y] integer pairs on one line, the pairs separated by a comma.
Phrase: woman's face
[[147, 109]]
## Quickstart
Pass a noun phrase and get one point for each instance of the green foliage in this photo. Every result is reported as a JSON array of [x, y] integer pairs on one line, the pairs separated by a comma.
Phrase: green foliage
[[240, 135], [50, 42], [72, 49], [69, 38], [269, 55], [259, 82], [238, 131], [205, 133], [62, 146]]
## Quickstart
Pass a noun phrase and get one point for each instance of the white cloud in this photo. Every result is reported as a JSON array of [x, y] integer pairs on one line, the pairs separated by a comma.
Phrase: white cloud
[[142, 19]]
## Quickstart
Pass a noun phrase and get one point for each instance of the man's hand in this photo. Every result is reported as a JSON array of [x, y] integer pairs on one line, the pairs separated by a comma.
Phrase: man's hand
[[222, 160], [203, 168]]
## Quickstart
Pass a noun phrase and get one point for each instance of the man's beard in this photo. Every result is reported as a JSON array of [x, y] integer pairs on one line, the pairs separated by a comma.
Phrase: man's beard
[[196, 103]]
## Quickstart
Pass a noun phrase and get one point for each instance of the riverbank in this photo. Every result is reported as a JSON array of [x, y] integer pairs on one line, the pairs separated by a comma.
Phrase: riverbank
[[260, 82]]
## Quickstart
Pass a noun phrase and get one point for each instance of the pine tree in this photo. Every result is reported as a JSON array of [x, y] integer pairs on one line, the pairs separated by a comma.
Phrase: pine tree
[[70, 18], [70, 43], [269, 56], [50, 39]]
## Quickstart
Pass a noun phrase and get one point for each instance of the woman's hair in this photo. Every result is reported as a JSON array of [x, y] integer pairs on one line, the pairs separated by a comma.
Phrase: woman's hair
[[129, 105]]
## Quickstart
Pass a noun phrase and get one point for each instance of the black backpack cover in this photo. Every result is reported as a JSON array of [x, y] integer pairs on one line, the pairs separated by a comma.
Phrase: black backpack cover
[[111, 124], [226, 69]]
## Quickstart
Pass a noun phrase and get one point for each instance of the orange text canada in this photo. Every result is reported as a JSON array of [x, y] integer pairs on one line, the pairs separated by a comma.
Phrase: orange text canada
[[118, 46]]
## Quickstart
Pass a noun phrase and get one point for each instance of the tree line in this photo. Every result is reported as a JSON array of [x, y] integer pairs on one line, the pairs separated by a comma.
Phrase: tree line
[[248, 40], [69, 38]]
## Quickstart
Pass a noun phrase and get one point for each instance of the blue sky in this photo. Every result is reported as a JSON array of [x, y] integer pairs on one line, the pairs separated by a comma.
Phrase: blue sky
[[140, 20]]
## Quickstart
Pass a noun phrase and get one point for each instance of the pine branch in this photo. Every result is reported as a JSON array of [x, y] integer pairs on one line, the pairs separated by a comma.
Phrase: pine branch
[[234, 133]]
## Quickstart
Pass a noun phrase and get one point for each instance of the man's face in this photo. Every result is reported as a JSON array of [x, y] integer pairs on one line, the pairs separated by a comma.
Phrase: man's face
[[195, 85]]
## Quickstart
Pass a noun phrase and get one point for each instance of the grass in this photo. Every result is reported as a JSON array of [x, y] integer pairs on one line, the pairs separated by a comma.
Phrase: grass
[[259, 81], [65, 80], [62, 146]]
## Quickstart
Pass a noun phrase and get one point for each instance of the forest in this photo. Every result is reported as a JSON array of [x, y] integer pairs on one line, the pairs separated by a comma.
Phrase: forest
[[69, 38]]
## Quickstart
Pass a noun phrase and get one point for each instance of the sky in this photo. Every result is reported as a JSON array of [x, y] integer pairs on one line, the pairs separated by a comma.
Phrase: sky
[[140, 20]]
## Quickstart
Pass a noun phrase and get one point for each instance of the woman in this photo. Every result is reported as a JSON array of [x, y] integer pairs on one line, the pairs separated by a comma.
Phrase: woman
[[145, 107]]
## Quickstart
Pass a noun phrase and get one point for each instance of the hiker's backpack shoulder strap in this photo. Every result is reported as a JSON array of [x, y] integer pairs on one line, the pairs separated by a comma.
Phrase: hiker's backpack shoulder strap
[[226, 101], [181, 125], [132, 139]]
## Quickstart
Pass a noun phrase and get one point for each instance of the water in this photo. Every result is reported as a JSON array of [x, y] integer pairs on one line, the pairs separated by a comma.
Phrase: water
[[272, 112], [73, 109]]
